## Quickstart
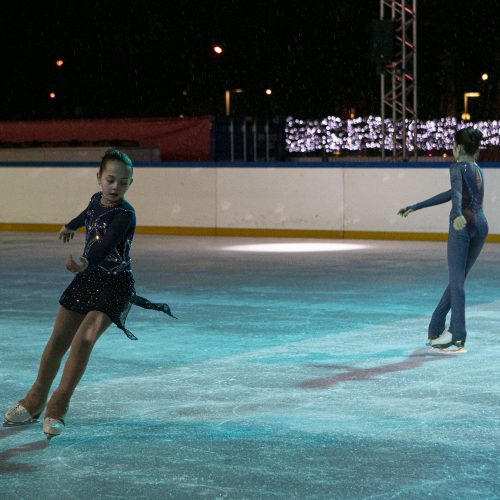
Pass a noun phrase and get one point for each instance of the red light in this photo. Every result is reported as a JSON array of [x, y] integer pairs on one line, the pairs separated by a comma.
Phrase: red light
[[430, 154], [59, 63]]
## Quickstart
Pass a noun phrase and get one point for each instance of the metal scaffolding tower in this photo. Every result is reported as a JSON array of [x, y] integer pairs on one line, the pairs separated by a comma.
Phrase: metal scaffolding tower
[[398, 80]]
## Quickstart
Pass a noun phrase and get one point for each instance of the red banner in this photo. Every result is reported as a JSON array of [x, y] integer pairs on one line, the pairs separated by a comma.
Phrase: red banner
[[179, 139]]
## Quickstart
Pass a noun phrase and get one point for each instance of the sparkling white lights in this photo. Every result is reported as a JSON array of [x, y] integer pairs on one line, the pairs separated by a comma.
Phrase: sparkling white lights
[[363, 134]]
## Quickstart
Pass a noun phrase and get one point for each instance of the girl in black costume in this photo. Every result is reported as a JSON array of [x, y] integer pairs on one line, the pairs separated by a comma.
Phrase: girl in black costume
[[101, 293]]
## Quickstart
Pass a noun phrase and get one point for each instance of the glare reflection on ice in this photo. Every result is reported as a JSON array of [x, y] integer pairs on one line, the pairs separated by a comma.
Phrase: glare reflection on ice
[[297, 247]]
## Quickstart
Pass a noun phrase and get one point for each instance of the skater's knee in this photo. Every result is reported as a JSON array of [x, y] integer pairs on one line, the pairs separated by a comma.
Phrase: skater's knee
[[86, 339], [89, 336], [91, 329], [457, 285]]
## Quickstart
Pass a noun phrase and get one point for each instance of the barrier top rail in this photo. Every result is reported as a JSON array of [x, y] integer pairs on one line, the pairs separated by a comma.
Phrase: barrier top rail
[[215, 164]]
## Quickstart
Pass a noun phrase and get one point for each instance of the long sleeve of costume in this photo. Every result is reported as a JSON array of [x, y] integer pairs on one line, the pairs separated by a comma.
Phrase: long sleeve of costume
[[439, 199], [101, 245], [456, 192], [77, 222]]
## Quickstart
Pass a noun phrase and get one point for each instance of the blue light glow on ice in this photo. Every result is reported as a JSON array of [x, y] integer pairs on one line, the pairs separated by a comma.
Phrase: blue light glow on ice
[[287, 375]]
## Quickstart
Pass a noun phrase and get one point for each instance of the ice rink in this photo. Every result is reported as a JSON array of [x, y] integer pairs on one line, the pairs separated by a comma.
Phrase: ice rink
[[297, 369]]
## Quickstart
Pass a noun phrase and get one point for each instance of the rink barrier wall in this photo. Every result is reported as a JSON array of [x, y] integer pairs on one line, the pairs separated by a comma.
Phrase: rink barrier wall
[[354, 200]]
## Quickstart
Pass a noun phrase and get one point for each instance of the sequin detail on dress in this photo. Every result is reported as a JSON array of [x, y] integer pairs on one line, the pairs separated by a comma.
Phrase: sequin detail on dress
[[107, 285]]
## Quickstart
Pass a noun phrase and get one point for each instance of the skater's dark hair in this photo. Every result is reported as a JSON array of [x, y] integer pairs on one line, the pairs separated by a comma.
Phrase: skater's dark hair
[[114, 154], [469, 138]]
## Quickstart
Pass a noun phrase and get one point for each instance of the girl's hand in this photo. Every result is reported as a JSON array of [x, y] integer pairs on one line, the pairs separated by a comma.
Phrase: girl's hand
[[66, 234], [404, 212], [75, 267], [459, 223]]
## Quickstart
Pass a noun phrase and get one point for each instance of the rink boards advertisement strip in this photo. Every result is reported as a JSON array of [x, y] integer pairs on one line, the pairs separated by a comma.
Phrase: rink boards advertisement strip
[[284, 200]]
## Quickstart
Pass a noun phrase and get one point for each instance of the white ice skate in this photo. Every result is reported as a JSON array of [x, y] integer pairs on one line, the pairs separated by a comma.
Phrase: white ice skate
[[453, 349], [19, 415], [444, 345], [52, 427], [444, 339]]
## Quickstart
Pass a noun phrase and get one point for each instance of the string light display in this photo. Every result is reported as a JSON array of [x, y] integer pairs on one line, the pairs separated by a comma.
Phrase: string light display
[[332, 134]]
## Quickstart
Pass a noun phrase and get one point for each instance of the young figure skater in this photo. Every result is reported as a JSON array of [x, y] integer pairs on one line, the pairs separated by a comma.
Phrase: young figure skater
[[467, 234], [100, 294]]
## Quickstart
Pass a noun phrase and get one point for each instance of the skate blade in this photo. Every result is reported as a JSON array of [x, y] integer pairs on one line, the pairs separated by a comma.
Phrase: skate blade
[[436, 351], [52, 427], [8, 423], [50, 435]]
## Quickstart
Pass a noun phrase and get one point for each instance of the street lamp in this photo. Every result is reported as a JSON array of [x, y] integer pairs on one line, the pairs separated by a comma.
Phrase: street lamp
[[228, 99], [465, 114], [484, 77]]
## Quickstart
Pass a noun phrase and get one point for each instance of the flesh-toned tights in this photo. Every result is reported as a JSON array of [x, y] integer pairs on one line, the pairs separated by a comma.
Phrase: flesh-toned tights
[[72, 330]]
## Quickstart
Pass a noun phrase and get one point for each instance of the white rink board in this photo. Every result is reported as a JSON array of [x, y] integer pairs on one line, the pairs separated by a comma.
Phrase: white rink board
[[309, 198], [280, 198]]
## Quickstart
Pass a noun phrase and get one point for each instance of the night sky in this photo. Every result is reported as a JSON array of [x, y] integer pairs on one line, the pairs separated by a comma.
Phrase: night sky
[[154, 58]]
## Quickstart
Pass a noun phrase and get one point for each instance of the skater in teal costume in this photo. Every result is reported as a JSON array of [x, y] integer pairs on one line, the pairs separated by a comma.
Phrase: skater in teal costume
[[466, 237]]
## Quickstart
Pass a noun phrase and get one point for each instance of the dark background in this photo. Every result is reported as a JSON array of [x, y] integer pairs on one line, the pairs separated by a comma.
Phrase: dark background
[[154, 58]]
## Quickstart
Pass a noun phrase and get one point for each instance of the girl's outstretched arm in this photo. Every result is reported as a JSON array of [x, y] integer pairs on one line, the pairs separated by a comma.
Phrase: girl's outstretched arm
[[439, 199], [78, 221], [67, 232]]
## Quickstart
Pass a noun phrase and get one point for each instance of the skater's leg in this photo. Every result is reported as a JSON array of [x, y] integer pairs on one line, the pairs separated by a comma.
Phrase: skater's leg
[[475, 246], [91, 328], [437, 324], [458, 250], [65, 326], [438, 319]]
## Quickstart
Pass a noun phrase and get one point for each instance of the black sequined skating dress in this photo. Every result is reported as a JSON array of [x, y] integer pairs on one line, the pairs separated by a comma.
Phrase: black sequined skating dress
[[107, 285]]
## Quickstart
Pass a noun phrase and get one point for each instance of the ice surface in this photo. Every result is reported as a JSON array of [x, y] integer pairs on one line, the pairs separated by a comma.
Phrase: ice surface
[[288, 375]]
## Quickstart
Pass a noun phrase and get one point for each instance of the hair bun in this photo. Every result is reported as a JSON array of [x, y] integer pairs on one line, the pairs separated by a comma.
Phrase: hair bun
[[476, 135]]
